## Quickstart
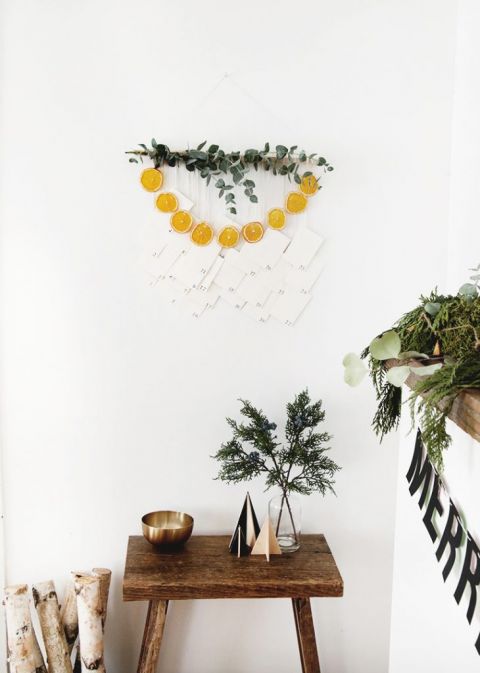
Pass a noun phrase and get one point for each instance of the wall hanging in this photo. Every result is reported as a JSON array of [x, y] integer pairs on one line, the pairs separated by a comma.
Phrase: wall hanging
[[436, 349], [257, 252]]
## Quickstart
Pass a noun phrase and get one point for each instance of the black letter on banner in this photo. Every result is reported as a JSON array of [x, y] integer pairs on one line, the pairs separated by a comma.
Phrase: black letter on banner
[[450, 538], [419, 472], [477, 644], [469, 577], [434, 504]]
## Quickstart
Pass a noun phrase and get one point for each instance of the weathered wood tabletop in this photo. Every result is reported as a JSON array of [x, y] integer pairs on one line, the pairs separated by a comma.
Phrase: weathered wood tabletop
[[204, 568]]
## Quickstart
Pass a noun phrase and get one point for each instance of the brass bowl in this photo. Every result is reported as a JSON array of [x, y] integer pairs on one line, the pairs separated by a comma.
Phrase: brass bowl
[[167, 527]]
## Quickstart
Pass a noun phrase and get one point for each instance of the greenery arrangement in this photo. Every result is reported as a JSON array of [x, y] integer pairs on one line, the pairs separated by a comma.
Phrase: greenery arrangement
[[443, 335], [213, 162], [299, 465]]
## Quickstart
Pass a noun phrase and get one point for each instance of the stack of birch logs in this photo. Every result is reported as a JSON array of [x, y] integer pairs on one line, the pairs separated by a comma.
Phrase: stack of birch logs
[[81, 617]]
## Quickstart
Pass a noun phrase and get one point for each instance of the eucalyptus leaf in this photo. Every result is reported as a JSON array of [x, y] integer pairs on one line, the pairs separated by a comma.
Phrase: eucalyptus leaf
[[355, 369], [428, 370], [398, 375], [468, 290], [386, 346], [409, 355], [432, 308]]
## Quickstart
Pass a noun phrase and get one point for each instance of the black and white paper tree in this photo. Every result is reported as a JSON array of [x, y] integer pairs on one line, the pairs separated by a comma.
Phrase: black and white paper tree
[[238, 546], [247, 526]]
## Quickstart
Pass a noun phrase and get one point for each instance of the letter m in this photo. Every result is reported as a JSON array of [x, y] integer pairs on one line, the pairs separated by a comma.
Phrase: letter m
[[420, 470]]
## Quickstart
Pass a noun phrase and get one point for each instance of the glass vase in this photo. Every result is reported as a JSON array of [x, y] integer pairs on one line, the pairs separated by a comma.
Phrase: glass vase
[[285, 513]]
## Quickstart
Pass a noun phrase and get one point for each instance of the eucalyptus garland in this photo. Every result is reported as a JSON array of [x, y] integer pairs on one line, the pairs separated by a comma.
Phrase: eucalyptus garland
[[442, 334], [214, 162]]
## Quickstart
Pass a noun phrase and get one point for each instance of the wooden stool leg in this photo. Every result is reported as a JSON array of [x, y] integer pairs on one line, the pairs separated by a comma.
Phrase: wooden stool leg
[[306, 635], [152, 636]]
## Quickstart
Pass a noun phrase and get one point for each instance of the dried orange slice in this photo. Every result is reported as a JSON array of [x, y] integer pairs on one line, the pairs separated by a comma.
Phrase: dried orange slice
[[309, 185], [167, 202], [296, 202], [202, 234], [276, 218], [181, 221], [228, 237], [151, 179], [252, 232]]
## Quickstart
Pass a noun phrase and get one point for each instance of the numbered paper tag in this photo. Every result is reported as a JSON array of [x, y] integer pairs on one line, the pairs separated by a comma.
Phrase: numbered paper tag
[[256, 312], [229, 276], [211, 275], [244, 260], [233, 299], [253, 290], [175, 247], [303, 280], [267, 252], [303, 248], [289, 305], [192, 268]]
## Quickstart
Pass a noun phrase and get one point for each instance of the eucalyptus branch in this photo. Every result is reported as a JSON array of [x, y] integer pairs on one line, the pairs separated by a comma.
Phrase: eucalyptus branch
[[214, 161]]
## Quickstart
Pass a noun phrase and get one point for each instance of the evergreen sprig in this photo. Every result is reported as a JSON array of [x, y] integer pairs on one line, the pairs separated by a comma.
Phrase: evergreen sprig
[[448, 325], [213, 162], [300, 464]]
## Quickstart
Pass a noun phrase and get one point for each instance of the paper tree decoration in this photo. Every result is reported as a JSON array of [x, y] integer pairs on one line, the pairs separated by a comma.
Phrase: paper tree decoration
[[246, 530], [238, 546], [266, 541]]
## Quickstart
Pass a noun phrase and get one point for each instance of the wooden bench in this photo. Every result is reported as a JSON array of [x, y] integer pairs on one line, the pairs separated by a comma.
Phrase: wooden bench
[[204, 568]]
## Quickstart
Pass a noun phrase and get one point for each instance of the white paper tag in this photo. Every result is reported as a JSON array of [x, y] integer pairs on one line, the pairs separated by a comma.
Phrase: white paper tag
[[288, 306], [233, 299], [184, 202], [267, 252], [304, 280], [175, 247], [253, 290], [303, 248], [244, 260], [255, 312], [211, 275], [229, 276], [192, 268]]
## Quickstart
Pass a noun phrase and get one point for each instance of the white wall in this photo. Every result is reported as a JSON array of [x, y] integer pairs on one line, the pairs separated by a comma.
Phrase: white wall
[[429, 631], [107, 409]]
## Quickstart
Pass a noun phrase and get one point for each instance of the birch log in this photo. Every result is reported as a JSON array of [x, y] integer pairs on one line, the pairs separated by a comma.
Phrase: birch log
[[24, 654], [69, 617], [46, 603], [89, 608], [104, 575]]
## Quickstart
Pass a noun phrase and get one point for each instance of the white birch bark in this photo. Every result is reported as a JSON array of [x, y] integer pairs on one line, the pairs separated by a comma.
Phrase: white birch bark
[[69, 617], [46, 603], [104, 575], [24, 653], [89, 608]]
